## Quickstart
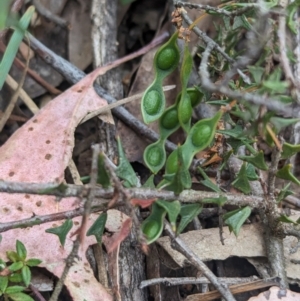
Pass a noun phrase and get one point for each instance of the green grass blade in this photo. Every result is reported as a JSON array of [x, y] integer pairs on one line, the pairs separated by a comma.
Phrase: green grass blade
[[13, 45]]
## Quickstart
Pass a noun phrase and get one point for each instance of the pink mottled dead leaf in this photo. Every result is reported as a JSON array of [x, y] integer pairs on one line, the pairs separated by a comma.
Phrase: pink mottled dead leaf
[[275, 294], [39, 152]]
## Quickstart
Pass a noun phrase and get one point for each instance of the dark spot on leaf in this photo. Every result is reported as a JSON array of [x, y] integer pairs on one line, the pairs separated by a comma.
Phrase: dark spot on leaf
[[27, 196], [11, 174], [48, 157], [38, 203], [30, 129], [48, 141], [20, 208], [86, 281], [76, 223], [5, 210], [35, 120], [77, 284]]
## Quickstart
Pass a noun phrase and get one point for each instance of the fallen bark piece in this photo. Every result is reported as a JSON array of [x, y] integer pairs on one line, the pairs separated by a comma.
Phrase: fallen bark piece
[[207, 246]]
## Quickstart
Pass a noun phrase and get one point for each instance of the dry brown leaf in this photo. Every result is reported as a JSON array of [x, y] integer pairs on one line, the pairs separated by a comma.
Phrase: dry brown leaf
[[275, 294]]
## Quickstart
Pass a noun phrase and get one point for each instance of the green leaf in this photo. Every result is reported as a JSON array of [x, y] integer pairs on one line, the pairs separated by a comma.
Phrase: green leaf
[[2, 265], [26, 275], [16, 266], [207, 181], [12, 256], [285, 173], [292, 22], [288, 150], [20, 297], [14, 289], [173, 210], [220, 201], [257, 160], [234, 133], [236, 218], [15, 277], [188, 212], [284, 193], [241, 182], [21, 250], [257, 73], [3, 283], [181, 179], [98, 227], [276, 86], [124, 169], [13, 45], [285, 219], [62, 231], [33, 262], [153, 225], [280, 123], [251, 174], [149, 183], [103, 176]]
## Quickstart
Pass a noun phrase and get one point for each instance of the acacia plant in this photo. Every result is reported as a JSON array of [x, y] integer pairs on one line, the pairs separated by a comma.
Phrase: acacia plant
[[246, 74]]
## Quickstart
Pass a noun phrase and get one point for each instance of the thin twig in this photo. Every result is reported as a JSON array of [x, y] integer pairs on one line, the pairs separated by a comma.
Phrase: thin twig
[[206, 38], [69, 262], [43, 11], [217, 10], [41, 219], [181, 247], [194, 280], [93, 183], [119, 103], [187, 196]]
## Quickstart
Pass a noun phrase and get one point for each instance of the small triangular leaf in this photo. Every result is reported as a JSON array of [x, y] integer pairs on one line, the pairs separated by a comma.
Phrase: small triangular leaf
[[285, 173], [284, 193], [124, 169], [98, 227], [173, 210], [251, 174], [257, 160], [285, 219], [288, 150], [62, 231], [241, 182], [188, 213], [236, 218]]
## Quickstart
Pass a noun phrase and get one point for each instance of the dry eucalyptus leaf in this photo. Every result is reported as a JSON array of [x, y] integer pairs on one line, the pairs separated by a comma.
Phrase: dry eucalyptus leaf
[[39, 152]]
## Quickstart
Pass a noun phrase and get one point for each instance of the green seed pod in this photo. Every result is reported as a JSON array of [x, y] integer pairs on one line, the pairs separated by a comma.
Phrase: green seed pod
[[185, 111], [153, 102], [169, 119], [167, 57], [166, 61], [155, 156], [172, 163], [201, 135], [153, 225]]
